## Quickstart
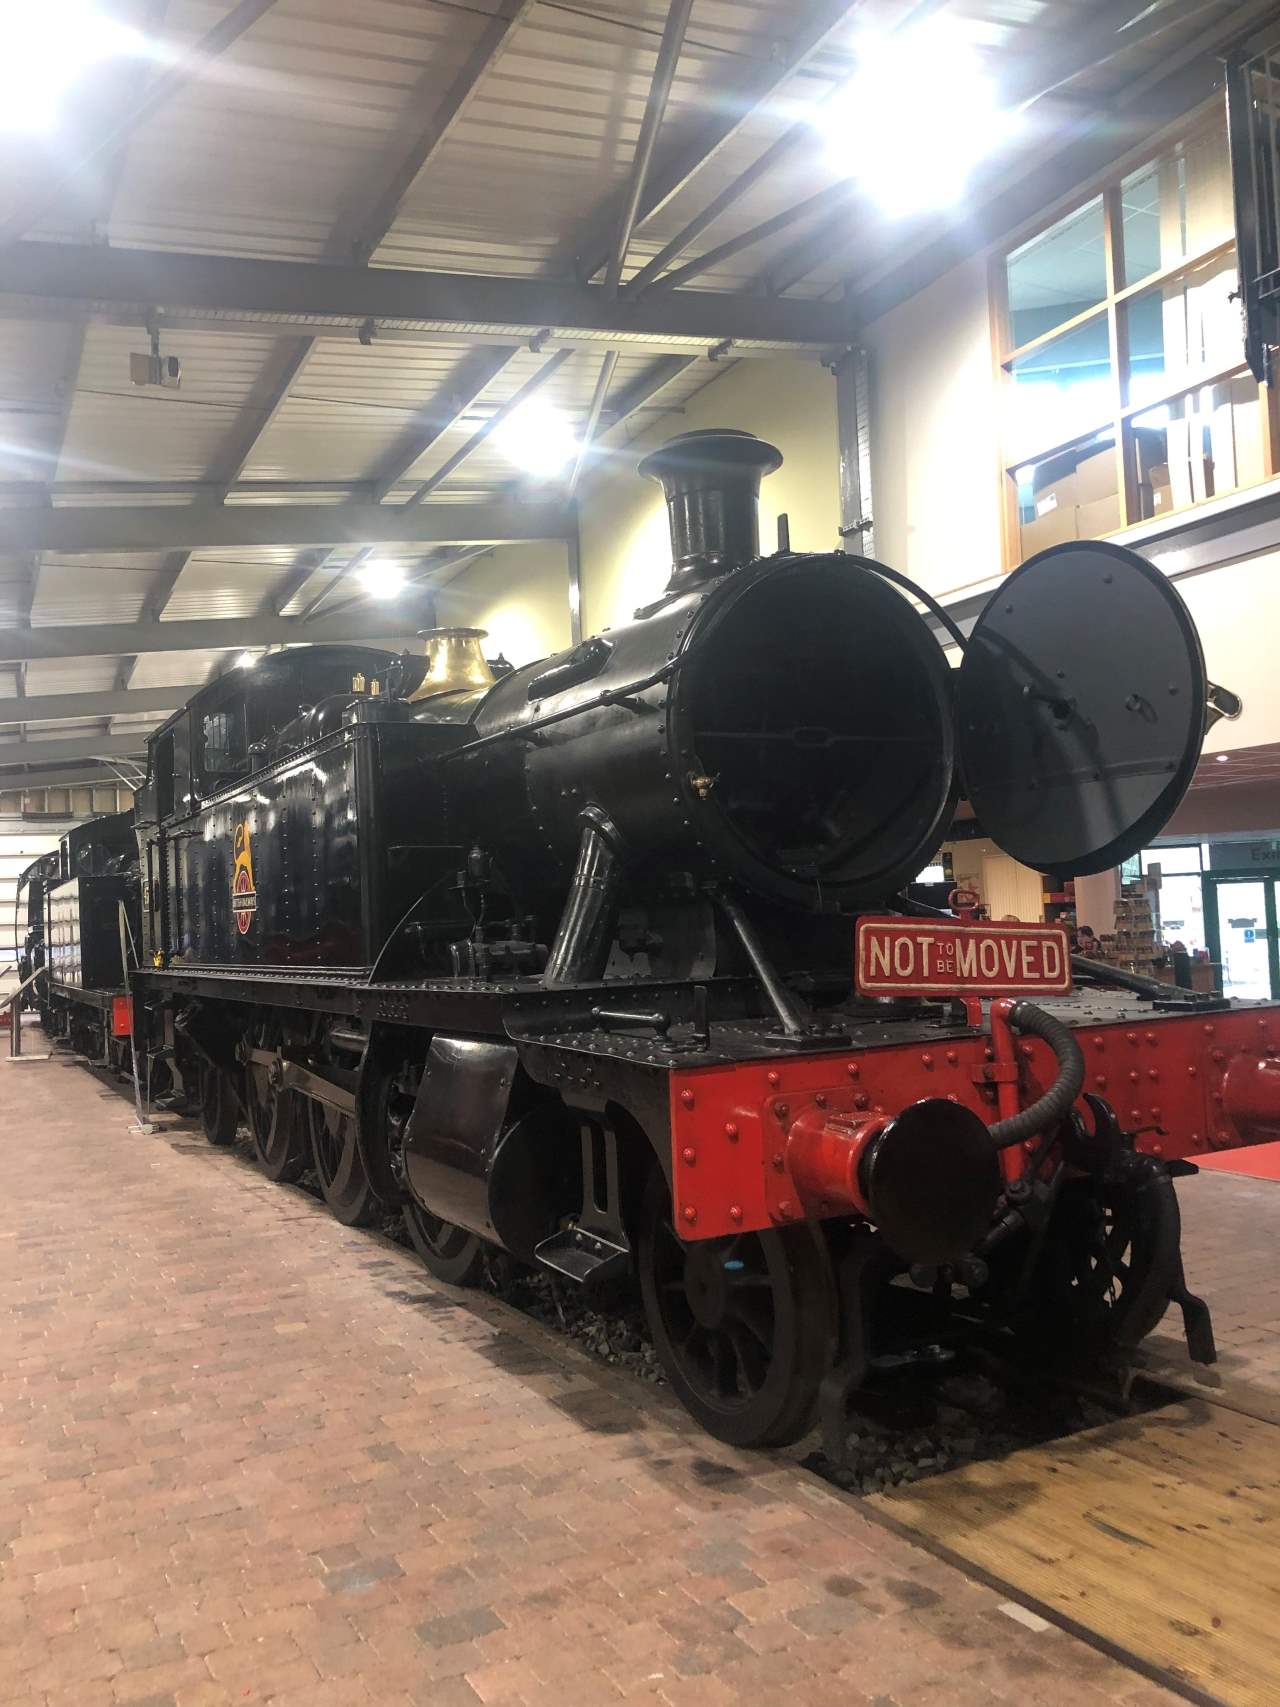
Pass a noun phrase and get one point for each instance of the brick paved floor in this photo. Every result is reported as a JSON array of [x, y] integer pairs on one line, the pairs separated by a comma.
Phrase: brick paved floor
[[248, 1456]]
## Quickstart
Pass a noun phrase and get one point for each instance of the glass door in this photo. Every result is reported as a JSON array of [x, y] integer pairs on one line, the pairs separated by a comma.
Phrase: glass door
[[1240, 920]]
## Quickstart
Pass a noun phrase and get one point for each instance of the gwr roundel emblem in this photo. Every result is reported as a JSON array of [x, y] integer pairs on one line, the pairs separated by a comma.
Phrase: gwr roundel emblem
[[244, 897]]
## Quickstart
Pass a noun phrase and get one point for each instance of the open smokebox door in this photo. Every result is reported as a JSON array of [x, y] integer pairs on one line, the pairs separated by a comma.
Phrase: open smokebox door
[[1081, 705]]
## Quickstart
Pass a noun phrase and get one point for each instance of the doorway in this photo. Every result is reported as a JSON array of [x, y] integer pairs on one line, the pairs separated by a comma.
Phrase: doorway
[[1240, 923]]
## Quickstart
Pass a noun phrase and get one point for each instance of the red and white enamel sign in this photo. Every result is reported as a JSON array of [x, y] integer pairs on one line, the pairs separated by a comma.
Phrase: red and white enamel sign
[[939, 957]]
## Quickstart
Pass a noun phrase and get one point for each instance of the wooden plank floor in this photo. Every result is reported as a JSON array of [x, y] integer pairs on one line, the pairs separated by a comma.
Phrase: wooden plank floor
[[1160, 1534]]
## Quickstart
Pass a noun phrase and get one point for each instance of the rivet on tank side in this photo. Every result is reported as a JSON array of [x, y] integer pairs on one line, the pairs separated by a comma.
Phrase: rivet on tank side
[[691, 1214], [862, 1100], [688, 1156], [1131, 1037], [1099, 1043], [853, 1069], [926, 1060], [1133, 1077], [781, 1109], [1152, 1038], [774, 1077], [787, 1209], [952, 1057], [1153, 1072], [735, 1212], [1101, 1081], [1192, 1071], [1135, 1114], [731, 1131], [1219, 1055], [686, 1097], [777, 1161]]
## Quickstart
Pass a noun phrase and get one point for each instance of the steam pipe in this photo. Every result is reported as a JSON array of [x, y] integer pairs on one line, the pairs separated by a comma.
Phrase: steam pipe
[[580, 951]]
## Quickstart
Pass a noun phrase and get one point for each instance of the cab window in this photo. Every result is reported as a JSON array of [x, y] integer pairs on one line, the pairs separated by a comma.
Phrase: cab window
[[224, 751]]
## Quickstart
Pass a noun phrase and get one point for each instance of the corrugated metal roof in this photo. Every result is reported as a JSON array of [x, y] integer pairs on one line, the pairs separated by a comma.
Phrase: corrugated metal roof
[[86, 589], [119, 431], [164, 669], [348, 407], [70, 675], [269, 155]]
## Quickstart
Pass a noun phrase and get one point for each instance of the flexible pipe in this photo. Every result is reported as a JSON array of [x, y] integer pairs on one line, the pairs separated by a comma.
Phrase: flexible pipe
[[1049, 1109]]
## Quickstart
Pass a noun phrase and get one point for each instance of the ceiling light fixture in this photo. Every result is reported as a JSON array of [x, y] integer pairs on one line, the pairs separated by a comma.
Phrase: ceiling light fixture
[[380, 579], [915, 118], [48, 47], [1222, 758], [538, 438]]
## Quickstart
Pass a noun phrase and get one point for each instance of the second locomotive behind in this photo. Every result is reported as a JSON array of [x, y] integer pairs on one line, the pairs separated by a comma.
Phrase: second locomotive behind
[[564, 964]]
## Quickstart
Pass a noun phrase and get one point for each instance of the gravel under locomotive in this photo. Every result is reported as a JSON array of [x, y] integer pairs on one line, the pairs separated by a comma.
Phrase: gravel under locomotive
[[563, 964]]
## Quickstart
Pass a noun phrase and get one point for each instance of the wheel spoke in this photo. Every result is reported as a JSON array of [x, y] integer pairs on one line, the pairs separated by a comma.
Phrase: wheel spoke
[[758, 1332], [754, 1366], [725, 1364]]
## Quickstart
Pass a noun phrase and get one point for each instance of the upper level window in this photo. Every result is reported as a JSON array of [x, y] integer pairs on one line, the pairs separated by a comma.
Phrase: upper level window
[[1126, 394]]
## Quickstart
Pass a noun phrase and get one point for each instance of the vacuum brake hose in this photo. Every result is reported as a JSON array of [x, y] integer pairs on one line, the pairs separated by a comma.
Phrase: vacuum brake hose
[[1057, 1100]]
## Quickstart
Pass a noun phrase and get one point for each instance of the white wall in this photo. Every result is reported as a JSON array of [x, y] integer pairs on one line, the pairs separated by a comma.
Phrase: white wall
[[1237, 610], [520, 594], [626, 551], [934, 447], [18, 847]]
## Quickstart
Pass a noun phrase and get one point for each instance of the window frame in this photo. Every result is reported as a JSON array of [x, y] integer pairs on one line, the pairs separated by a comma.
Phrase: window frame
[[1121, 415], [232, 706]]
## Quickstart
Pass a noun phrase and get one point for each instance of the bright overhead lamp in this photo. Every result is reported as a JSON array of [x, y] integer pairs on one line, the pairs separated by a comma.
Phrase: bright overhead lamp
[[381, 579], [538, 438], [915, 118], [48, 45]]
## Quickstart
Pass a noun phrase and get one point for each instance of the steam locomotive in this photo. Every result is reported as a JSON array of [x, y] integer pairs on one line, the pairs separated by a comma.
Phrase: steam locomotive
[[604, 964]]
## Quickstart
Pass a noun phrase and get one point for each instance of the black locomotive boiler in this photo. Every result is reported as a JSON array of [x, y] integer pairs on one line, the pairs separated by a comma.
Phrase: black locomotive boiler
[[567, 964]]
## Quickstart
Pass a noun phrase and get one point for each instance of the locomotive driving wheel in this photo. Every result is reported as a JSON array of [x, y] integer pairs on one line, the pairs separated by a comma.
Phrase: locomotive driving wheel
[[219, 1110], [344, 1185], [335, 1154], [744, 1326], [449, 1253], [274, 1115]]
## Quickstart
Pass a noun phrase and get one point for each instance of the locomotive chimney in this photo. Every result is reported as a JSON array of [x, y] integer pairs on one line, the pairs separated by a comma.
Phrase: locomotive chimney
[[712, 484]]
